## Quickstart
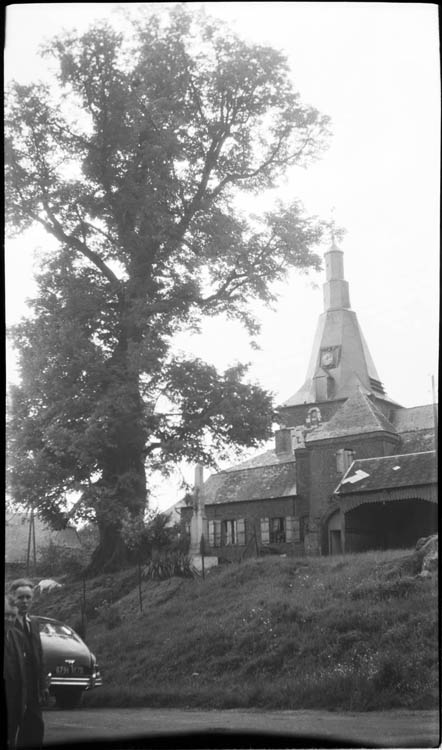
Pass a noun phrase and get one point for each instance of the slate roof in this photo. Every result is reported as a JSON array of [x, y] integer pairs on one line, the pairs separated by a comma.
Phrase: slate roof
[[17, 534], [262, 459], [358, 415], [417, 441], [416, 428], [415, 418], [388, 472], [253, 483]]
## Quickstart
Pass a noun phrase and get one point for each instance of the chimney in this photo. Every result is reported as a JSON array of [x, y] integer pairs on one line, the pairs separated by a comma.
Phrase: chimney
[[283, 441]]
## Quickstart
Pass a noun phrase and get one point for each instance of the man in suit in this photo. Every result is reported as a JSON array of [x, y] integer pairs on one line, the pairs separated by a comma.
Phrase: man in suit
[[31, 729], [14, 676]]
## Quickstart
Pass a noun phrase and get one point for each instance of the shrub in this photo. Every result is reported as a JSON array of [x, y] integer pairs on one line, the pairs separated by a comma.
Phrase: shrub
[[57, 561], [395, 589], [389, 674], [109, 615], [173, 564]]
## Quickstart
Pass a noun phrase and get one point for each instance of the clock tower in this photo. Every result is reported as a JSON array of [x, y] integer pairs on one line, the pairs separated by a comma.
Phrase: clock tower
[[340, 361]]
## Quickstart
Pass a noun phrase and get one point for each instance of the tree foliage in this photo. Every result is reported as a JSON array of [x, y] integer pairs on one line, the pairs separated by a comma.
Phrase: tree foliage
[[132, 160]]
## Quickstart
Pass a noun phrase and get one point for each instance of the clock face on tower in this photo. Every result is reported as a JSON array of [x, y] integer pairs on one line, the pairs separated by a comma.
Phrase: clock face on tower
[[330, 356]]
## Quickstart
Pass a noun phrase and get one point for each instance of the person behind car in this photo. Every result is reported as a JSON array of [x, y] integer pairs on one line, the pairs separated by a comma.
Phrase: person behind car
[[31, 729], [14, 675]]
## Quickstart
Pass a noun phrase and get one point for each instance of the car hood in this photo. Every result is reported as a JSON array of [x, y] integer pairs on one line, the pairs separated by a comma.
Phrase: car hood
[[56, 649]]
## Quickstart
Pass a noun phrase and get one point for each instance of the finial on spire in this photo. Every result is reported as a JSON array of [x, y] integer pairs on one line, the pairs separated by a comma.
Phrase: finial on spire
[[333, 228], [335, 233]]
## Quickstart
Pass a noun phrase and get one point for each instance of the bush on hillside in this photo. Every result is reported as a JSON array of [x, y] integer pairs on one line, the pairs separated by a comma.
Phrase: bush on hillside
[[167, 566], [89, 538], [152, 537], [109, 615], [393, 589], [57, 561]]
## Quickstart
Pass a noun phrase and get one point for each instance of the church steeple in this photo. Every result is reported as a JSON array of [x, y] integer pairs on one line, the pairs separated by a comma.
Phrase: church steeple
[[340, 362], [336, 293]]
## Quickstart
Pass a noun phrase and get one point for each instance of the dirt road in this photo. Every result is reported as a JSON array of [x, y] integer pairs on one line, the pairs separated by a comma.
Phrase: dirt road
[[400, 729]]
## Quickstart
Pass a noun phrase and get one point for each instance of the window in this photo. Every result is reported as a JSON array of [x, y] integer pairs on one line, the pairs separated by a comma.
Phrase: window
[[233, 531], [229, 532], [277, 530], [49, 628], [215, 533], [241, 531], [292, 529], [344, 459], [265, 530]]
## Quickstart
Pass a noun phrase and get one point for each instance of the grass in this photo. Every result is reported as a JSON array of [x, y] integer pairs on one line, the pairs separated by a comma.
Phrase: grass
[[347, 632]]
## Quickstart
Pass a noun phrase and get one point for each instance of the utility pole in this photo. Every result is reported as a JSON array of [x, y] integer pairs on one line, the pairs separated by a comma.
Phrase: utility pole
[[434, 412], [31, 540]]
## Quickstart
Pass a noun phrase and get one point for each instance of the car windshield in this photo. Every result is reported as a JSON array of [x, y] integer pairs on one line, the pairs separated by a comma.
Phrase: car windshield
[[57, 628]]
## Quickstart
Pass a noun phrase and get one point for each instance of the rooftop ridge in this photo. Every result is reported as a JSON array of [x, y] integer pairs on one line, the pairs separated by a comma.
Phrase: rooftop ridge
[[378, 413], [419, 406], [288, 460], [394, 455]]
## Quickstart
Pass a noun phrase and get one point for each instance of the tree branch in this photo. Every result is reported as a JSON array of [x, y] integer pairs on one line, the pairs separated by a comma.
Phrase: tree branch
[[57, 231]]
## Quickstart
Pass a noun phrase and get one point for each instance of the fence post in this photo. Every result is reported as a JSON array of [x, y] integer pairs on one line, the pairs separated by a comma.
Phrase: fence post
[[202, 551], [140, 596], [256, 540], [83, 610]]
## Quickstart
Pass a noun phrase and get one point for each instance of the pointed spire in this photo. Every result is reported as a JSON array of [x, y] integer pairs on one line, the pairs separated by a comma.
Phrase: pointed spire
[[336, 293], [340, 359]]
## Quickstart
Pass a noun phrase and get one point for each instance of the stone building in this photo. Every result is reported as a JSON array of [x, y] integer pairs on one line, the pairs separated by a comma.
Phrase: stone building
[[351, 469], [18, 541]]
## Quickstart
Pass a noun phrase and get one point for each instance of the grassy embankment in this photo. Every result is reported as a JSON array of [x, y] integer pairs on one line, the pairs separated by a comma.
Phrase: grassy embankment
[[357, 632]]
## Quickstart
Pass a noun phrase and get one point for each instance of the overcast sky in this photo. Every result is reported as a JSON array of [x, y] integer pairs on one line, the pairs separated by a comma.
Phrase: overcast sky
[[374, 69]]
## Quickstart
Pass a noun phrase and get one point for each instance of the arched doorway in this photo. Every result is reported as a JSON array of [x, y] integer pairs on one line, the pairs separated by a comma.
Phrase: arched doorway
[[389, 524]]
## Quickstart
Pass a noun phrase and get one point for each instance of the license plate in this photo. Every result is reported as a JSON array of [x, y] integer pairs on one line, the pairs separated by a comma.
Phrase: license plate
[[68, 669]]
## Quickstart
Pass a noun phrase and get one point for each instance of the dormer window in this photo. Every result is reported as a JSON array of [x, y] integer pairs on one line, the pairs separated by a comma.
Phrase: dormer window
[[313, 417], [344, 459]]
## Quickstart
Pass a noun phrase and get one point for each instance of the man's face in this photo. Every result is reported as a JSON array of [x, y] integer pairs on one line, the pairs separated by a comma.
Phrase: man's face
[[23, 599], [10, 615]]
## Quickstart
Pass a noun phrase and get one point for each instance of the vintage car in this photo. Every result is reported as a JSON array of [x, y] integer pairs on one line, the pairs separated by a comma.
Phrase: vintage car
[[72, 668]]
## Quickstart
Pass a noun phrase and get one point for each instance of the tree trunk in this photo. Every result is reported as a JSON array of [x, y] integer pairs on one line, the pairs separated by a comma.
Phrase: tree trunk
[[123, 481], [111, 554], [121, 491]]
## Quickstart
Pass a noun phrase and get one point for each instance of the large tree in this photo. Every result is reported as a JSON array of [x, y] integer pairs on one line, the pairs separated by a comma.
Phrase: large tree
[[132, 159]]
